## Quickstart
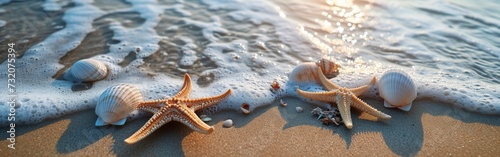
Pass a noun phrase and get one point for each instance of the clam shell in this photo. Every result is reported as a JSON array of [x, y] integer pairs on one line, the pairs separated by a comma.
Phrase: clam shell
[[398, 89], [87, 70], [116, 103]]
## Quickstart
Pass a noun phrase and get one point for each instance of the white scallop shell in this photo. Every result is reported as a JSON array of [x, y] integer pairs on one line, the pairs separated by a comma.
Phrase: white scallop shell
[[87, 70], [116, 103], [397, 89]]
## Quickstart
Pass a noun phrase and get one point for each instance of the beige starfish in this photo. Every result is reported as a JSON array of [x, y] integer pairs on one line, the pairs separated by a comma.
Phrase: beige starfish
[[177, 108], [344, 98]]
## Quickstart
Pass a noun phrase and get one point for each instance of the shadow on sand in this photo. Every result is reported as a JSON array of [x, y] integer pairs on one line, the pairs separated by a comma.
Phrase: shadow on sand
[[403, 134]]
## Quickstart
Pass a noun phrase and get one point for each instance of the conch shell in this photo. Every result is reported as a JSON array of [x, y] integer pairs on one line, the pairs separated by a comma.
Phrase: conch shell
[[306, 72]]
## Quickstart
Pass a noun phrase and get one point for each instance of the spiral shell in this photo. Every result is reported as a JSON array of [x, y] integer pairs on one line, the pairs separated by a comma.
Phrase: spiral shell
[[87, 70], [306, 72], [397, 89], [329, 68], [116, 103]]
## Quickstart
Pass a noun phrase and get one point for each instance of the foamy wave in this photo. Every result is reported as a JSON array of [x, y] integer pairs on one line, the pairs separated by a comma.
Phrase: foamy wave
[[249, 74], [247, 46]]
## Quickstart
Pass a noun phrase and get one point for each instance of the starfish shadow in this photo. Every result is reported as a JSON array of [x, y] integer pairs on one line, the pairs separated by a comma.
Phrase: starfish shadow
[[82, 132], [403, 133]]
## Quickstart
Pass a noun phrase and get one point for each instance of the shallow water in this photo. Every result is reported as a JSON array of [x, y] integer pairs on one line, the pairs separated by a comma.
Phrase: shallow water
[[448, 47]]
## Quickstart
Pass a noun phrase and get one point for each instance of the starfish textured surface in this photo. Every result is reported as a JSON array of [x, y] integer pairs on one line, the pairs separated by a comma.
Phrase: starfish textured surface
[[344, 98], [177, 108]]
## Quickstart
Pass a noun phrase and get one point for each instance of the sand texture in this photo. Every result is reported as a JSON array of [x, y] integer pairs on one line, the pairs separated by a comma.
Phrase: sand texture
[[429, 129]]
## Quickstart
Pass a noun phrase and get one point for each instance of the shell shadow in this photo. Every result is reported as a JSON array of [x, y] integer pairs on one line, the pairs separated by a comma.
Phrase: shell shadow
[[79, 132], [75, 138], [82, 132], [403, 133]]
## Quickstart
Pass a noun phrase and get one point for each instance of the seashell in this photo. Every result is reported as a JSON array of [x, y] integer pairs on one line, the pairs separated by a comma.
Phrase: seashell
[[116, 103], [326, 121], [299, 109], [317, 111], [330, 69], [227, 123], [275, 85], [307, 72], [205, 118], [282, 103], [397, 89], [87, 70], [245, 108]]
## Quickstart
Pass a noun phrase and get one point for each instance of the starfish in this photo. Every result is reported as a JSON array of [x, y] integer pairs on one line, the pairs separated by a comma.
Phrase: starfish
[[344, 98], [177, 108]]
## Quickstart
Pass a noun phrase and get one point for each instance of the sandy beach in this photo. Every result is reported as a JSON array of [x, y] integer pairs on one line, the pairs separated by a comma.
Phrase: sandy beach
[[449, 49], [429, 129]]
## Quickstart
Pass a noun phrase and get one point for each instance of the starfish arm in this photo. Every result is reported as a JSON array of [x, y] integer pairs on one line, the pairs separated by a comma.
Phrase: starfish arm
[[151, 106], [363, 89], [320, 96], [344, 106], [186, 88], [363, 106], [202, 103], [190, 119], [159, 119], [325, 82]]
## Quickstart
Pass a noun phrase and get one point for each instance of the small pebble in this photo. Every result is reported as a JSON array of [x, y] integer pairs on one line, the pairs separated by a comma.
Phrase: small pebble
[[299, 109], [227, 123]]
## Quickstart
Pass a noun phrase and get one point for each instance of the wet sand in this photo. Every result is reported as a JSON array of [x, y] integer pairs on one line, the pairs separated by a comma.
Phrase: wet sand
[[429, 129]]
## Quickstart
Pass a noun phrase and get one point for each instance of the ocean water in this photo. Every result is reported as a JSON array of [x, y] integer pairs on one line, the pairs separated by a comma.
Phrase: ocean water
[[450, 48]]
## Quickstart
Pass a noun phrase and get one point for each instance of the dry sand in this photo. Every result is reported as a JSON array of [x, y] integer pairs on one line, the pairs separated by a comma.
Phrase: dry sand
[[429, 129]]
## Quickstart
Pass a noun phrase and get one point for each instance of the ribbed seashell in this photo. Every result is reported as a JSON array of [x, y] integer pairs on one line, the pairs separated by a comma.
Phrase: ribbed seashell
[[116, 103], [330, 69], [398, 89], [306, 72], [87, 70]]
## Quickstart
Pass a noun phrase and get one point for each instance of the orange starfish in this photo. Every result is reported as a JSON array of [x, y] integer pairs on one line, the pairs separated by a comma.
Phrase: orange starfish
[[177, 108], [344, 98]]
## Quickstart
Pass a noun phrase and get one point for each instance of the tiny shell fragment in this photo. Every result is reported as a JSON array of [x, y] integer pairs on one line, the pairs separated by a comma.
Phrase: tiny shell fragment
[[299, 109], [282, 103]]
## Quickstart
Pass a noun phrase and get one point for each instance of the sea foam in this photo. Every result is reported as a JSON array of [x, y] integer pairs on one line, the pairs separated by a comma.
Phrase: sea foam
[[238, 65]]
